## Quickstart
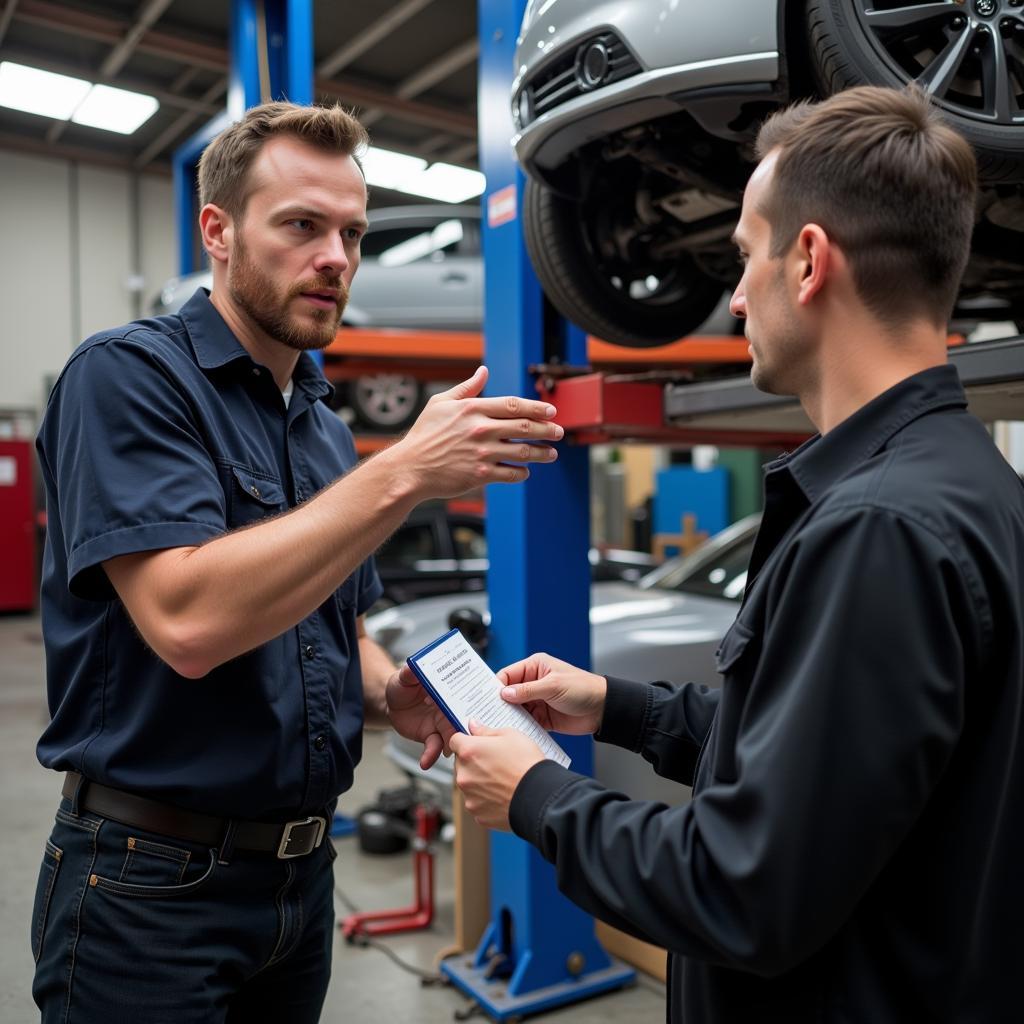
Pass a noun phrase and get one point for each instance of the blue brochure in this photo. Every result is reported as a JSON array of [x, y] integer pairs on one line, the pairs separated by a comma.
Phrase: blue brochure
[[464, 688]]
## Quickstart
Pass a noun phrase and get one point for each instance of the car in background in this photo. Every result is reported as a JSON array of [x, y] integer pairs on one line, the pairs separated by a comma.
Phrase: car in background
[[421, 268], [439, 550], [635, 124], [667, 625]]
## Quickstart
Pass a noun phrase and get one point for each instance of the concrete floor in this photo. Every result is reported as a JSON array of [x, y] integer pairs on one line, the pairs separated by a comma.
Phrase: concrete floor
[[365, 985]]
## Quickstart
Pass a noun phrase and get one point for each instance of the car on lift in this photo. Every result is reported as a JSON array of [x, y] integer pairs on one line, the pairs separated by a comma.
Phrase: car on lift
[[421, 269], [667, 625], [635, 124]]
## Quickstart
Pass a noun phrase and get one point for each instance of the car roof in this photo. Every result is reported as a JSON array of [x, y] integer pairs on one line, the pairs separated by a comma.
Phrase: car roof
[[391, 213]]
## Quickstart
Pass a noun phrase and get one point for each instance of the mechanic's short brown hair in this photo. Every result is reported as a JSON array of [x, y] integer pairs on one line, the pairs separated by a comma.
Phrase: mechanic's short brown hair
[[225, 163], [890, 182]]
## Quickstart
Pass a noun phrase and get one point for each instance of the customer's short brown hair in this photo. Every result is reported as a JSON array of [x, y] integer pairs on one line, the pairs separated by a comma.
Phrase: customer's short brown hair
[[890, 182], [225, 163]]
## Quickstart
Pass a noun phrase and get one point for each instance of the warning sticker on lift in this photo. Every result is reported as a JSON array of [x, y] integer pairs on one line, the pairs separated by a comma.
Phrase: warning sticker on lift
[[501, 206]]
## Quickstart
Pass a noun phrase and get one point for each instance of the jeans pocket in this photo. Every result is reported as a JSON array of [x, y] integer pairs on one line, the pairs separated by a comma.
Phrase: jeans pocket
[[147, 891], [149, 863], [44, 890]]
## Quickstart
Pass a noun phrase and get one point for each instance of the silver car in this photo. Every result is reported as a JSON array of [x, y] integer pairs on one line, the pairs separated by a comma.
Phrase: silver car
[[421, 268], [666, 626], [635, 123]]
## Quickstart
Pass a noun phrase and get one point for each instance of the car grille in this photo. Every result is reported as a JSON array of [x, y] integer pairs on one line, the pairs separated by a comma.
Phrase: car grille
[[565, 79]]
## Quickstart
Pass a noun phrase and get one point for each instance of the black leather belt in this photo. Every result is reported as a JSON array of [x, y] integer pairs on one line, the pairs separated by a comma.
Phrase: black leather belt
[[291, 839]]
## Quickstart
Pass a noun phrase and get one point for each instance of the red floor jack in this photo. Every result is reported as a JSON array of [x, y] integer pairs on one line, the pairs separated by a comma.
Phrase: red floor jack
[[421, 913]]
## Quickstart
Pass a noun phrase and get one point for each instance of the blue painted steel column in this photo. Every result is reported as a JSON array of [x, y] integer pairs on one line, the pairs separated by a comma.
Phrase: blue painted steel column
[[538, 580]]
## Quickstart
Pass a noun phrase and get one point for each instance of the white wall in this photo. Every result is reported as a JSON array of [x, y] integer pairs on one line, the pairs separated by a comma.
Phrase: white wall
[[67, 238]]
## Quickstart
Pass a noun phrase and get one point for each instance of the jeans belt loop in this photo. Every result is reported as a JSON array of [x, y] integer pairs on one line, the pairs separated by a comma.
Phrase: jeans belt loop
[[227, 844], [79, 795]]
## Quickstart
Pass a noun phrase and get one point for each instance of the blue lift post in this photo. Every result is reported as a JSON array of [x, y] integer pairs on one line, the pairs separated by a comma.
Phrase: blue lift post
[[539, 950]]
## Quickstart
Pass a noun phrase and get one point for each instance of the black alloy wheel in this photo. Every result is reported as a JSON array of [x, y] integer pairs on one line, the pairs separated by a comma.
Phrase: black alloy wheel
[[968, 55], [636, 302]]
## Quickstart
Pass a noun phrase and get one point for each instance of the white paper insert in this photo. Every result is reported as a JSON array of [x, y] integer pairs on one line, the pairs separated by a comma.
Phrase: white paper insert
[[472, 690]]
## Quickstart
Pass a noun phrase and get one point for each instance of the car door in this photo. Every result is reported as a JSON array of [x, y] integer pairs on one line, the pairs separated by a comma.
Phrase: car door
[[422, 271]]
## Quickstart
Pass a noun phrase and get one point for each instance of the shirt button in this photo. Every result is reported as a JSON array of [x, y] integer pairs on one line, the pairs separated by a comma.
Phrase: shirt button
[[320, 742], [256, 371], [255, 491], [308, 651]]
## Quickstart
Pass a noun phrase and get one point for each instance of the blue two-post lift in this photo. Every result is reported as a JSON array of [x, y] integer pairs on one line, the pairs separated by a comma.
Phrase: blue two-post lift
[[539, 950]]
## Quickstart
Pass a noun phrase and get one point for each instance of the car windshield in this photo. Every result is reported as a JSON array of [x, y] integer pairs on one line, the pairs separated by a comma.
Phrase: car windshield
[[720, 570]]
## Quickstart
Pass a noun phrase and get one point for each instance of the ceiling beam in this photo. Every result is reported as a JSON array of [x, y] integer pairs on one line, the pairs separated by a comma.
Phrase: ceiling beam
[[150, 12], [6, 16], [373, 97], [370, 36], [466, 153], [354, 92], [115, 60], [177, 128], [58, 17], [437, 71], [80, 154]]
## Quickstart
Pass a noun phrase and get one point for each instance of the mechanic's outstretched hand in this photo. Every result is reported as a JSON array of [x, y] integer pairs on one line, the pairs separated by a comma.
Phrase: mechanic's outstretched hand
[[461, 441], [561, 697], [416, 717], [489, 766]]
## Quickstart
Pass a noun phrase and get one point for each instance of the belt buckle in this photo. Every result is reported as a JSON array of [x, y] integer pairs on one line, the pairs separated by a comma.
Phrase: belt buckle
[[317, 825]]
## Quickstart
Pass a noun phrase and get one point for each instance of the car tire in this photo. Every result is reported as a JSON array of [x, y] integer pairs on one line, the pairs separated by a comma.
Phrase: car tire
[[846, 53], [562, 257], [386, 401], [381, 833]]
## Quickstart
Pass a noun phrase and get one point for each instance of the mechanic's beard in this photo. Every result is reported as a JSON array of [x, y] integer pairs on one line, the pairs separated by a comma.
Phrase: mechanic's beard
[[257, 297]]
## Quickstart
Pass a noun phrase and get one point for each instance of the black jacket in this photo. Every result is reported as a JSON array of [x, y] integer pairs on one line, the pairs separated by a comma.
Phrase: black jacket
[[854, 848]]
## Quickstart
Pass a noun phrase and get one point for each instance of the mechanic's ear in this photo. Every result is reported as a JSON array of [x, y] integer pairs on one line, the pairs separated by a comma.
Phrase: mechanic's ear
[[217, 231], [814, 252]]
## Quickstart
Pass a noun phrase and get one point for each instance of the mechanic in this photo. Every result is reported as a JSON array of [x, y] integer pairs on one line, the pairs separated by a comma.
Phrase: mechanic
[[852, 849], [207, 566]]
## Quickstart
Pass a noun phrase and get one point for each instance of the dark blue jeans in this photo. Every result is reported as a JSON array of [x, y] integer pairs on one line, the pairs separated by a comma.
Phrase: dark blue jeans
[[130, 926]]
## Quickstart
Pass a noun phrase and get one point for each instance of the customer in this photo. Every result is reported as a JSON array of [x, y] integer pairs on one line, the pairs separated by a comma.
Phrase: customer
[[208, 564], [853, 848]]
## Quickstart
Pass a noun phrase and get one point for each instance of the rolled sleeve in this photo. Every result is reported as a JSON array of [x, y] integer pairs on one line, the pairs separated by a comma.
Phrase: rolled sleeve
[[130, 467]]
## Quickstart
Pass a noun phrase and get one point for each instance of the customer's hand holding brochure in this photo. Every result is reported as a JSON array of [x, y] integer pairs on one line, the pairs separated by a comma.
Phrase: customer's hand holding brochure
[[464, 688]]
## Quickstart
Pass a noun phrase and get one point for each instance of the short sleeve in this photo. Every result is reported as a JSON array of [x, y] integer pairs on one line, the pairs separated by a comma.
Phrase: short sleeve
[[129, 468], [370, 586]]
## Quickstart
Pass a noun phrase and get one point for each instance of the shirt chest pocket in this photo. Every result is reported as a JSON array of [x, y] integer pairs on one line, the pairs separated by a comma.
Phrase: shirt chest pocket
[[252, 497], [736, 660]]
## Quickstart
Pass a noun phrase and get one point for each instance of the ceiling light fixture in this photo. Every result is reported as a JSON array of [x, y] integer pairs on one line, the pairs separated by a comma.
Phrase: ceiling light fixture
[[40, 92], [385, 168], [115, 110], [73, 99]]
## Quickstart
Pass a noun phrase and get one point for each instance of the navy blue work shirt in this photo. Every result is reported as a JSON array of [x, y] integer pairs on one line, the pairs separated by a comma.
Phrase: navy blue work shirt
[[165, 433]]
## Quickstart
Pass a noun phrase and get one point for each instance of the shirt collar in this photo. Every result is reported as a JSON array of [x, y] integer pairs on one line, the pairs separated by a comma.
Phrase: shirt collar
[[215, 345], [822, 461]]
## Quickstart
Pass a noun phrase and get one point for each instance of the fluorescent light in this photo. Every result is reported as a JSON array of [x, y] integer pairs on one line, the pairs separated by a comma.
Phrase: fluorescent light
[[40, 92], [65, 98], [446, 233], [115, 110], [449, 183], [410, 174], [386, 169]]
